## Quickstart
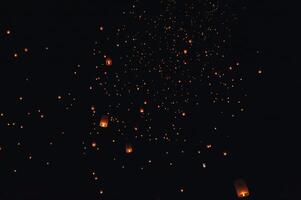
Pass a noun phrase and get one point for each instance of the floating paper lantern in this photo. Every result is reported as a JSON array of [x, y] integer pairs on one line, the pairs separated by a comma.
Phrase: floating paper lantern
[[129, 149], [141, 110], [241, 188], [109, 62], [94, 145], [104, 121]]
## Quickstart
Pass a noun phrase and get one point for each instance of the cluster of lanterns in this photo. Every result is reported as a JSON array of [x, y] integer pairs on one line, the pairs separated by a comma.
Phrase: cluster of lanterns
[[104, 122]]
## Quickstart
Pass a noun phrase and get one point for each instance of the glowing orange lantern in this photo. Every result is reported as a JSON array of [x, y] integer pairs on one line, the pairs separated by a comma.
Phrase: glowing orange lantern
[[241, 188], [104, 121], [93, 144], [129, 149], [109, 62]]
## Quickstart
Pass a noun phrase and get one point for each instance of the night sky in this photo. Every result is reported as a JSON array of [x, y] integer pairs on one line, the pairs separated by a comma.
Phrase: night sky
[[149, 100]]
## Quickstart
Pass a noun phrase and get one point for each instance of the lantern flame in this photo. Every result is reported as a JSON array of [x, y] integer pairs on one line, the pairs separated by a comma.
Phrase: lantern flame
[[241, 188], [129, 149], [104, 121], [109, 62]]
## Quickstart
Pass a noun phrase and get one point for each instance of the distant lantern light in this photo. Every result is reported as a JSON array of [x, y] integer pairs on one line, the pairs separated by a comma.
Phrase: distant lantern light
[[104, 121], [141, 110], [93, 144], [241, 188], [185, 51], [129, 149], [109, 62], [8, 32]]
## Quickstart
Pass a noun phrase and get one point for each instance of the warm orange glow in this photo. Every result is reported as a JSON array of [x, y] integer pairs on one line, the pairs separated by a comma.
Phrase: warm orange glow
[[129, 149], [141, 110], [109, 62], [185, 51], [93, 144], [241, 188], [104, 121]]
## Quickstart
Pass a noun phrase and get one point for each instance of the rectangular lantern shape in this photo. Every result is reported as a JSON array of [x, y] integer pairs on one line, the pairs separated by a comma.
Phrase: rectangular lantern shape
[[241, 188], [104, 121]]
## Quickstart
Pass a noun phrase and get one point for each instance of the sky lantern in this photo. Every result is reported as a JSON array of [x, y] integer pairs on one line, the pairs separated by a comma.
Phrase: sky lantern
[[141, 110], [104, 121], [241, 188], [109, 62], [8, 32], [94, 145], [129, 149]]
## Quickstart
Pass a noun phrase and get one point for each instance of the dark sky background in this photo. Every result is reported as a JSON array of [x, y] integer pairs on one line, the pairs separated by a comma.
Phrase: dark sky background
[[264, 141]]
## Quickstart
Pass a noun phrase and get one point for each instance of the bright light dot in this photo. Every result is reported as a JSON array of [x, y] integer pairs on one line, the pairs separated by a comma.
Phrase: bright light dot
[[141, 110], [93, 144]]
